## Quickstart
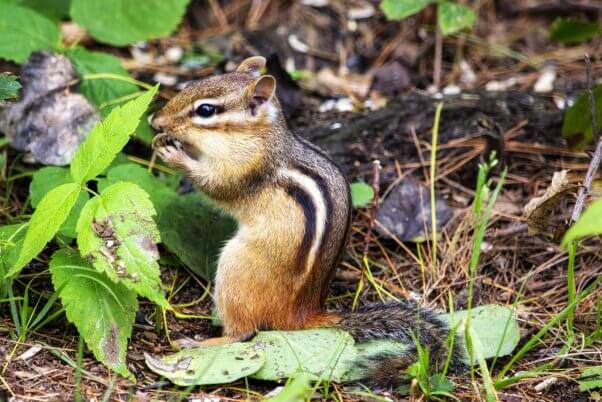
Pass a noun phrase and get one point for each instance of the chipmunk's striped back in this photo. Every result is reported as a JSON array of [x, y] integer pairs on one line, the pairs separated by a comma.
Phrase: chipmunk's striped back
[[320, 188]]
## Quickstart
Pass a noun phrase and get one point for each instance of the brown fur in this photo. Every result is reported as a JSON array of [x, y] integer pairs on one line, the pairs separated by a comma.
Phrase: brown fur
[[255, 285], [247, 160]]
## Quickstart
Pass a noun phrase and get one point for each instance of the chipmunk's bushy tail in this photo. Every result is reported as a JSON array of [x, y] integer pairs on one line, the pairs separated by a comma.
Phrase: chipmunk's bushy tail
[[403, 321]]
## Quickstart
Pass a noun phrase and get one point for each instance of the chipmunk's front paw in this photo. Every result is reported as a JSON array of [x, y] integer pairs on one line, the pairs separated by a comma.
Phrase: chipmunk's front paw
[[170, 149]]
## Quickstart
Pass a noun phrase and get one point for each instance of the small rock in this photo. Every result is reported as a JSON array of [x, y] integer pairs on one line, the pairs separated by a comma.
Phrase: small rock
[[341, 105], [31, 352], [501, 85], [406, 212], [468, 76], [274, 392], [296, 44], [451, 90], [362, 11], [165, 79], [390, 78], [545, 384], [545, 82], [141, 55], [174, 54]]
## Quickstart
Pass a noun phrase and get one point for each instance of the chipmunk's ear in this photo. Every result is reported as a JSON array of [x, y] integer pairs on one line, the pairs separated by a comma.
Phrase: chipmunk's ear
[[252, 65], [261, 91]]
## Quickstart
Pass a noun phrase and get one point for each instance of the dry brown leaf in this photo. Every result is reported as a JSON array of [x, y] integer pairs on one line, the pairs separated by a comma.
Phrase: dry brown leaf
[[539, 210]]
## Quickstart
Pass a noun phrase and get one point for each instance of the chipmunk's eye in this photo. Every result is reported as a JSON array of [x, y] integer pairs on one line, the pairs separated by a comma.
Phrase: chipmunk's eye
[[206, 110]]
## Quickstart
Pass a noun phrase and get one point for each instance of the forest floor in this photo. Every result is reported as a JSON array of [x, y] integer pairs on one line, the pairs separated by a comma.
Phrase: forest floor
[[391, 64]]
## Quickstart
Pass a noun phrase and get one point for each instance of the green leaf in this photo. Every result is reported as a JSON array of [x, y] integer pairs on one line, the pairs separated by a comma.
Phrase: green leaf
[[589, 224], [495, 326], [195, 231], [45, 180], [160, 193], [211, 365], [299, 389], [23, 31], [577, 126], [324, 353], [9, 87], [116, 231], [53, 9], [190, 226], [100, 91], [11, 241], [108, 138], [45, 222], [590, 379], [328, 353], [103, 311], [123, 22], [441, 384], [454, 17], [361, 194], [572, 30], [400, 9]]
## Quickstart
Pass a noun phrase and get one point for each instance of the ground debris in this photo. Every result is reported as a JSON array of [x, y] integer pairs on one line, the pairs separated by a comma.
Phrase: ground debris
[[49, 121], [406, 212], [540, 210]]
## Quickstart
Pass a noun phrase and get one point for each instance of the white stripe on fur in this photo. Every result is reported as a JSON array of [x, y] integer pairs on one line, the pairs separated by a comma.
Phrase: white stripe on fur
[[310, 186]]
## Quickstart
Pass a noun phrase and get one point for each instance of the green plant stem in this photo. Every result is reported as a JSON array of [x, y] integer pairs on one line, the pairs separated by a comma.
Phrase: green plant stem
[[432, 172], [78, 369], [118, 77], [570, 279], [544, 330]]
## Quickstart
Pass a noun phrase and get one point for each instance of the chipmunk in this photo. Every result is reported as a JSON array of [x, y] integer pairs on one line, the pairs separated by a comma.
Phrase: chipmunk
[[293, 208]]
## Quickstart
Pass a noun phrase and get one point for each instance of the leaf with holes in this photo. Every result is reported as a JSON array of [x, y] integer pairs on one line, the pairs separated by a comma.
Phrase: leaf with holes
[[160, 193], [45, 222], [123, 22], [116, 231], [23, 31], [108, 137], [210, 365], [45, 180], [103, 311], [325, 353]]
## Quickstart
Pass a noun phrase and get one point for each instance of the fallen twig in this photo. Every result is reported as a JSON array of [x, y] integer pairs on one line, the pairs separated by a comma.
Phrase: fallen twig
[[597, 157]]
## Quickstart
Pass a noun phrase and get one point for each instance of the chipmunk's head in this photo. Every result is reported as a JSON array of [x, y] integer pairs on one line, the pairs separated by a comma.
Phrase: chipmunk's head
[[231, 118]]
